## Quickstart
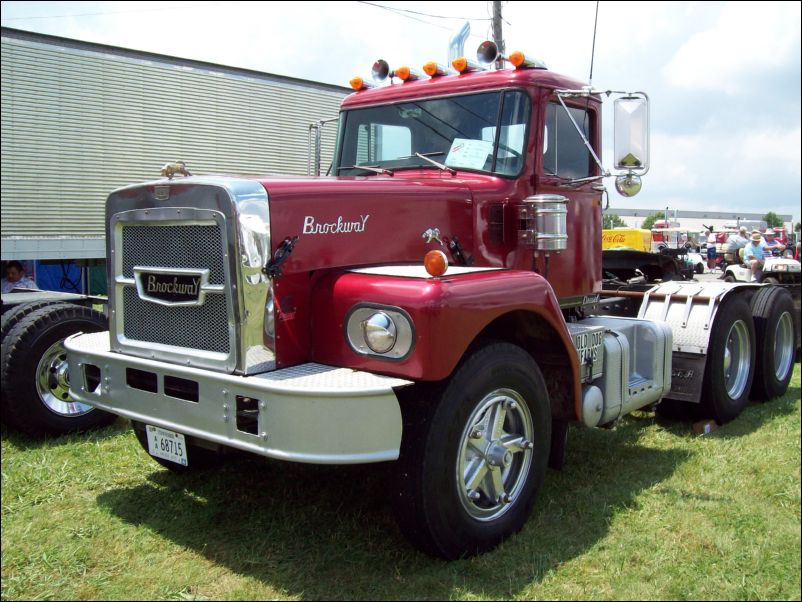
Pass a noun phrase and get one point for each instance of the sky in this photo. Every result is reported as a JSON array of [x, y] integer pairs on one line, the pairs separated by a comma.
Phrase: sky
[[723, 78]]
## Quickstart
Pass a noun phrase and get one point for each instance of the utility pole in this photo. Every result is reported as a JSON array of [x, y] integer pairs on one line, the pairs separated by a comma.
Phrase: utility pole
[[497, 36]]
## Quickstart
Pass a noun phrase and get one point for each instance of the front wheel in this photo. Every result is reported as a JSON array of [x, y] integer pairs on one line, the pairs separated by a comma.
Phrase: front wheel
[[474, 454]]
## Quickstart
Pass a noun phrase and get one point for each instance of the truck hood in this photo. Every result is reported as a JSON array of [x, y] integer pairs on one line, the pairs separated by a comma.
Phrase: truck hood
[[343, 222]]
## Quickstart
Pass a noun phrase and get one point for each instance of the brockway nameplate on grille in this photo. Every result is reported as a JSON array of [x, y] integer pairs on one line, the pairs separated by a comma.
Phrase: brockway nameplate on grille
[[171, 287]]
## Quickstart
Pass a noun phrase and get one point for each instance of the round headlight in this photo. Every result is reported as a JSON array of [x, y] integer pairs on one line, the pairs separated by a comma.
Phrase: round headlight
[[380, 332]]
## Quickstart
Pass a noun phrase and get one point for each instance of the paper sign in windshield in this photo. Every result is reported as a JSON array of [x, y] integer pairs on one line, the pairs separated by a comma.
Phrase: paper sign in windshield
[[471, 154]]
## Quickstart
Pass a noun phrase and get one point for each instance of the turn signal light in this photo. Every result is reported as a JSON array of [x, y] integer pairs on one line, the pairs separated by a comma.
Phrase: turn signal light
[[436, 263]]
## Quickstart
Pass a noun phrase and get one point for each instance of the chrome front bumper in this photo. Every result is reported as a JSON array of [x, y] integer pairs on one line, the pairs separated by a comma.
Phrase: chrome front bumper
[[308, 413]]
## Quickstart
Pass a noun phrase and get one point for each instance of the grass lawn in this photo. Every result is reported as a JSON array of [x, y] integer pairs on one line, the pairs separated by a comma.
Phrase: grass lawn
[[648, 510]]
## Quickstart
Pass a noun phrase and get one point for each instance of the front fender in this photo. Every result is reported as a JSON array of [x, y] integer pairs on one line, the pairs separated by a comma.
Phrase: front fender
[[447, 313]]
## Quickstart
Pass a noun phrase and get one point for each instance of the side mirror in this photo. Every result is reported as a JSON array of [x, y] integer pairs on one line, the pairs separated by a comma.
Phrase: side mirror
[[631, 145]]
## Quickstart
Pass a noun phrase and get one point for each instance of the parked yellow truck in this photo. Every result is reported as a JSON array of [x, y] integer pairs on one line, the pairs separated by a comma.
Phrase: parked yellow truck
[[630, 238]]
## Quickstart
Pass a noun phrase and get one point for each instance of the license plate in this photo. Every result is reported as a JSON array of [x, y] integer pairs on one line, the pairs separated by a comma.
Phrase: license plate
[[167, 445]]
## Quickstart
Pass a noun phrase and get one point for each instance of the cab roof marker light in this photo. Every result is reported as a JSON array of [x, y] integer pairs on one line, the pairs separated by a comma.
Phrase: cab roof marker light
[[465, 65], [408, 75], [521, 61], [433, 69], [357, 83]]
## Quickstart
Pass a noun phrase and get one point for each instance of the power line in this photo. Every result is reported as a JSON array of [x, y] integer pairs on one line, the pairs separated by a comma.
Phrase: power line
[[413, 12]]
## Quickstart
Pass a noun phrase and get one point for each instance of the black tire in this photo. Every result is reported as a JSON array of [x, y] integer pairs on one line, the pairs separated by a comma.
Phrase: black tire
[[775, 341], [699, 268], [16, 313], [730, 361], [770, 280], [498, 384], [35, 397], [729, 278], [198, 458]]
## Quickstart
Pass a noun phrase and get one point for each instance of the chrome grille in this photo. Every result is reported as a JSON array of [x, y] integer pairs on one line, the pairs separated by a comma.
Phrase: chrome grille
[[174, 246], [170, 245], [204, 327]]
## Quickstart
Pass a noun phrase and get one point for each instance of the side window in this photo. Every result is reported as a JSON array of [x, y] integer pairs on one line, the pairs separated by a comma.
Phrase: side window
[[378, 142], [564, 151], [512, 137]]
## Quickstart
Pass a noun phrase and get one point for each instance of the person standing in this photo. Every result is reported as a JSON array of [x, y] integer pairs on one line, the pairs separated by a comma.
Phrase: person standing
[[15, 277], [711, 251]]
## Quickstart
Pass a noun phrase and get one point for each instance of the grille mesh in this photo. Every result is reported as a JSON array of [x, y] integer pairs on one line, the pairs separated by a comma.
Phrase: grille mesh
[[174, 246], [204, 327]]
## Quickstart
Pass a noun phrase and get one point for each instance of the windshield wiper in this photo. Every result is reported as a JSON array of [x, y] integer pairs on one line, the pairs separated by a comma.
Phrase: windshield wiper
[[371, 168], [425, 157]]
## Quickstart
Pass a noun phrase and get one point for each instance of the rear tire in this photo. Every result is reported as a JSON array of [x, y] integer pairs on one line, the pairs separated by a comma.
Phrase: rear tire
[[730, 362], [775, 341], [35, 388], [12, 317], [473, 454]]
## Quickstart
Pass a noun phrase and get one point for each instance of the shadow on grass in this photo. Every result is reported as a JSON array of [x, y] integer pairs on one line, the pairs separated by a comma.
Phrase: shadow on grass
[[25, 442], [755, 416], [328, 532]]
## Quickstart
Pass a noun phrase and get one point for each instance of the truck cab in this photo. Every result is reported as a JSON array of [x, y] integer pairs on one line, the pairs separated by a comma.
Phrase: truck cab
[[436, 302]]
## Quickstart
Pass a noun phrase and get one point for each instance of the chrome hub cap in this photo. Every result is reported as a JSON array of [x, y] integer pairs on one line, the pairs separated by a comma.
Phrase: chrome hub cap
[[495, 455], [784, 347], [737, 360], [53, 384]]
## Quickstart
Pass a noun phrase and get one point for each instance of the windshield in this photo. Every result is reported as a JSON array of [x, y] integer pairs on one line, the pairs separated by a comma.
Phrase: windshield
[[479, 132]]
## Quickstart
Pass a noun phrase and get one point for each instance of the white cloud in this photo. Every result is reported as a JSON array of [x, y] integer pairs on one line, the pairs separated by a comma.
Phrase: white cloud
[[747, 38]]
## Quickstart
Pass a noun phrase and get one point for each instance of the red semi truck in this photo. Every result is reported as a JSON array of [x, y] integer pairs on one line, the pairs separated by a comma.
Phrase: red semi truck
[[437, 302]]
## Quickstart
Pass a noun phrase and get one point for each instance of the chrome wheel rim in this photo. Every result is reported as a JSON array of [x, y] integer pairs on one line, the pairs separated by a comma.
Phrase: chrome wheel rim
[[495, 455], [783, 347], [737, 360], [53, 384]]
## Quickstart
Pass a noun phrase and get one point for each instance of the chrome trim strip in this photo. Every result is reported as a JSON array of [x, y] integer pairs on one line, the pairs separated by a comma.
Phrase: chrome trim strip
[[240, 208]]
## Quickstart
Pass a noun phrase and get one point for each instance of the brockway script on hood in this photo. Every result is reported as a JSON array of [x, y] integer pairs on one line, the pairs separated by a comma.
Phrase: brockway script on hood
[[341, 226]]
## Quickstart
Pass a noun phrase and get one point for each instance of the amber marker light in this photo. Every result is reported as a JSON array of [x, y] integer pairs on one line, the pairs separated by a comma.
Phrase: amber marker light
[[517, 58], [406, 74], [432, 69], [520, 61], [436, 263], [357, 83], [460, 64]]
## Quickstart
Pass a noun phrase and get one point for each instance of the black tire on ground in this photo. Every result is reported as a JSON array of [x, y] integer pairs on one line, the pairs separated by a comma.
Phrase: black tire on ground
[[16, 313], [730, 362], [775, 340], [35, 381], [474, 453], [729, 278], [770, 280], [198, 458], [699, 268]]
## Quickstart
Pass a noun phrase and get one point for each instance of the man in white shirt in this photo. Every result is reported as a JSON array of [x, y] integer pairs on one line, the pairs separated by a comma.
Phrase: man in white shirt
[[15, 277]]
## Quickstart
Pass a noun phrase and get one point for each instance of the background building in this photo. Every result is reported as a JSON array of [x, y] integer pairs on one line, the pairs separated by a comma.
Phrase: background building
[[696, 221], [81, 119]]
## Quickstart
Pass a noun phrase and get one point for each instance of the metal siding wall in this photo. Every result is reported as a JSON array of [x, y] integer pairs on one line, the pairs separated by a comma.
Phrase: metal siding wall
[[77, 124]]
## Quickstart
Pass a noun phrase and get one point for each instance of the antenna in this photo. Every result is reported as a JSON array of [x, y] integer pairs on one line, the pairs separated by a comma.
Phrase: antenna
[[593, 48]]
